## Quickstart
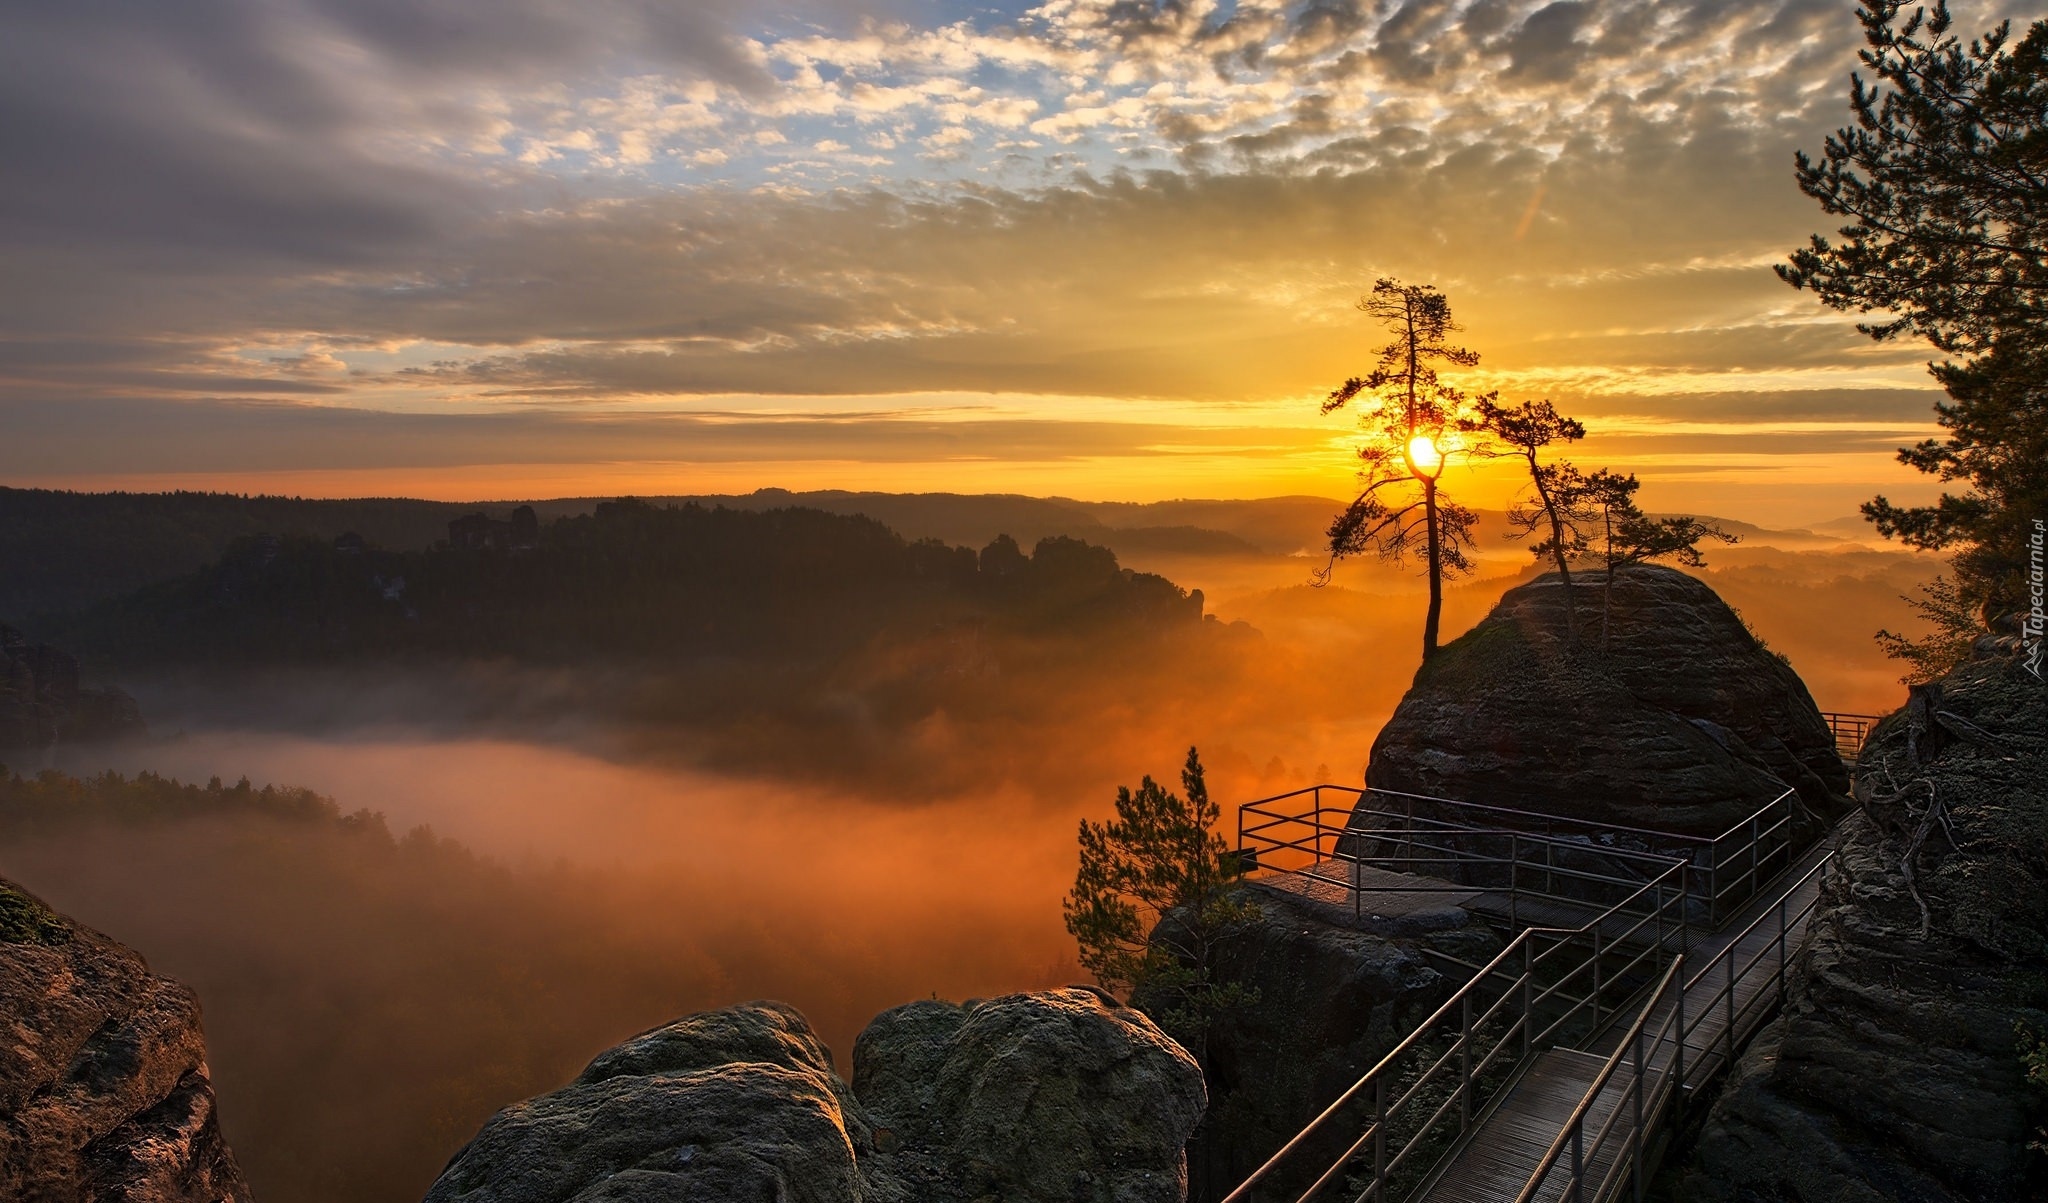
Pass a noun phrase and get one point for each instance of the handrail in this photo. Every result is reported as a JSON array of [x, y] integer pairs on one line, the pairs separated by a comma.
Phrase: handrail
[[1850, 730], [1697, 871], [1646, 1116], [1438, 1016], [1757, 922], [1725, 870], [1706, 1067], [1587, 824], [1461, 999], [1258, 807], [1575, 1124]]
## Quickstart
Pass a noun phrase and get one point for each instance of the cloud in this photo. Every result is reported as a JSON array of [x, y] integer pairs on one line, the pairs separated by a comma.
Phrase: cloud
[[403, 204]]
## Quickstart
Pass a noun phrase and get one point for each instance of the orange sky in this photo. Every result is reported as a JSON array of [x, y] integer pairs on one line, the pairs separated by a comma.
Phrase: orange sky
[[1084, 248]]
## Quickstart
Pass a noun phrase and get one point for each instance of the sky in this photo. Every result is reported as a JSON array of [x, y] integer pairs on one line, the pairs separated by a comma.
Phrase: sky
[[1107, 249]]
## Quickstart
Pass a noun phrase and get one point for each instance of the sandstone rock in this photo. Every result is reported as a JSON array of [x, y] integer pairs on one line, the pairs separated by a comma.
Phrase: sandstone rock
[[1059, 1096], [1895, 1072], [1683, 722], [739, 1104], [1063, 1096], [1332, 1001], [104, 1094], [41, 701]]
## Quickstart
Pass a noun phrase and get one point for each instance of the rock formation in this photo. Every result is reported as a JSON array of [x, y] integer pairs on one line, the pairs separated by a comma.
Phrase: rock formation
[[1680, 721], [1895, 1072], [1030, 1098], [41, 701], [104, 1095], [733, 1104], [1331, 1001], [1055, 1097]]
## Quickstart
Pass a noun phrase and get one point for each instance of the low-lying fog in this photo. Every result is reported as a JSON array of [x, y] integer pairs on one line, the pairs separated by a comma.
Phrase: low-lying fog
[[368, 1005], [868, 904], [370, 1001]]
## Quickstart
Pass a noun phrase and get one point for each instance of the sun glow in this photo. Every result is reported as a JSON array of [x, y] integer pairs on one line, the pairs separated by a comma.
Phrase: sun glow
[[1424, 460]]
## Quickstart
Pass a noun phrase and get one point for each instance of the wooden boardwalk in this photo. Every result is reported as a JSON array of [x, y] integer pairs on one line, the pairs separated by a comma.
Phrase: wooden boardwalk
[[1348, 892], [1503, 1150], [1506, 1148]]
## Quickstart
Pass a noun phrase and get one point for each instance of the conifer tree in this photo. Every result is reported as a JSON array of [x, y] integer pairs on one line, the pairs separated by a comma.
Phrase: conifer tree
[[1152, 898], [1408, 415], [1563, 500], [1944, 181]]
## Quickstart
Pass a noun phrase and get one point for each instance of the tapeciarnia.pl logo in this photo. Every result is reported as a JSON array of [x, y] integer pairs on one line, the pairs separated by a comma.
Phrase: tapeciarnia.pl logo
[[2030, 630]]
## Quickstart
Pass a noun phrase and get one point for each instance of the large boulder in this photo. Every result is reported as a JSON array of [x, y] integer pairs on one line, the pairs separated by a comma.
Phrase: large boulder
[[1896, 1070], [1064, 1096], [738, 1104], [104, 1094], [1061, 1096], [1676, 719]]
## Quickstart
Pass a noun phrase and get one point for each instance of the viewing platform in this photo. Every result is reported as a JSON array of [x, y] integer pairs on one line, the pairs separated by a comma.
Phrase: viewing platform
[[1644, 962]]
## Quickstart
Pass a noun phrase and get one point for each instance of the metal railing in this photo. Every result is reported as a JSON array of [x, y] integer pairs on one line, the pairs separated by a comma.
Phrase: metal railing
[[1328, 832], [1422, 1097], [1647, 1096], [1849, 730], [1656, 1048], [1740, 1019]]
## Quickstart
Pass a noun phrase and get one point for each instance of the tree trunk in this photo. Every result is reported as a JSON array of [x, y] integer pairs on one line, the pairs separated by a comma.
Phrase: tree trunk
[[1436, 570], [1607, 590], [1571, 619]]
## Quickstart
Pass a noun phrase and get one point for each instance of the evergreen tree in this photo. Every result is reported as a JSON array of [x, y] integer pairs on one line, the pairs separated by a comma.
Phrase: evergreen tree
[[1408, 412], [1944, 178], [1629, 536], [1563, 500], [1152, 897]]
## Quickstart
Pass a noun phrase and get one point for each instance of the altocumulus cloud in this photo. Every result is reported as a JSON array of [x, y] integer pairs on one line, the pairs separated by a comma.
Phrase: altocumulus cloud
[[405, 204]]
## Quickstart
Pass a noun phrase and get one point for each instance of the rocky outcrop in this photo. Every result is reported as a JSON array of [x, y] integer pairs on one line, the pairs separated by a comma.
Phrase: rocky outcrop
[[42, 702], [1062, 1097], [104, 1095], [1679, 720], [1330, 1002], [1895, 1072], [1065, 1095], [733, 1104]]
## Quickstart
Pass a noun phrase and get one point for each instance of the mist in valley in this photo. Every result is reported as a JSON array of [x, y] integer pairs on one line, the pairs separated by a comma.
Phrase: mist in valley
[[539, 876]]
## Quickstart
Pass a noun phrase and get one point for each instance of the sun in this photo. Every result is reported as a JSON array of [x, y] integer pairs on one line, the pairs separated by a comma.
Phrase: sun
[[1424, 460]]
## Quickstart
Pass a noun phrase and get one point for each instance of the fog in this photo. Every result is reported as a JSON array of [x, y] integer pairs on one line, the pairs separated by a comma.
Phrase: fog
[[370, 1002]]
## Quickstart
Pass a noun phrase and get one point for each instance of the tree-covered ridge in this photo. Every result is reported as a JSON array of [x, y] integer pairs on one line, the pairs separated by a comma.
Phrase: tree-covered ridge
[[49, 801], [654, 583], [61, 550]]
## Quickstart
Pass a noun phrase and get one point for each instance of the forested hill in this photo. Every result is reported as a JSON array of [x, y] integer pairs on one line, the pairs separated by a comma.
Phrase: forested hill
[[631, 581], [61, 551]]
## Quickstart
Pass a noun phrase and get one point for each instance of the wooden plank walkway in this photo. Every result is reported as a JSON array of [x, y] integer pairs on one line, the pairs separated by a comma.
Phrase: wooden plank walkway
[[1758, 959], [1496, 1159], [1505, 1149], [1347, 892]]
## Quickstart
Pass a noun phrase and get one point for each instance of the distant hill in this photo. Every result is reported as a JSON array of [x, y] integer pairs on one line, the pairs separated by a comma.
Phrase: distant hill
[[630, 581], [60, 551], [1268, 526]]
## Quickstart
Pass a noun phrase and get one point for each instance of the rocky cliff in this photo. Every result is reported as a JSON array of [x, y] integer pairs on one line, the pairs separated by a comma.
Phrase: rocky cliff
[[1062, 1096], [42, 702], [104, 1096], [1330, 1001], [1677, 720], [1896, 1071]]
